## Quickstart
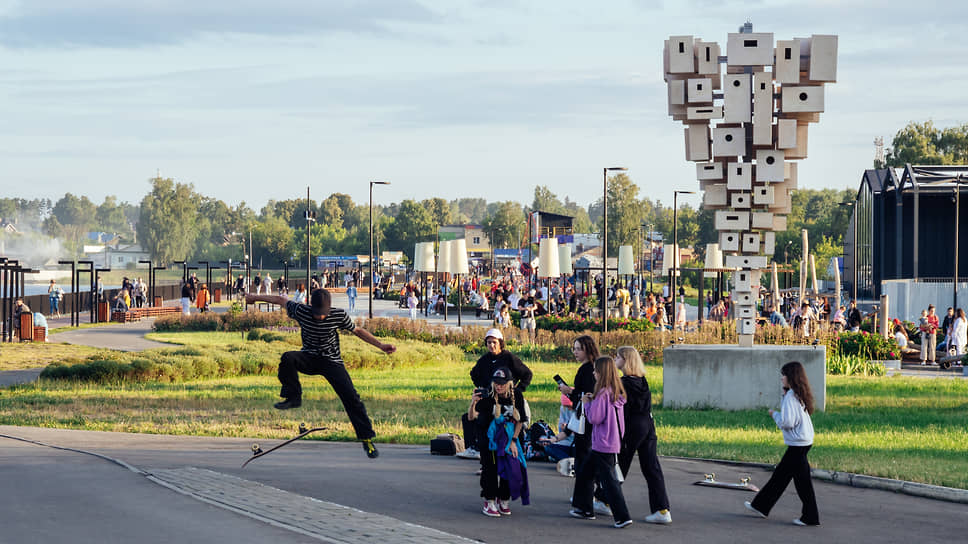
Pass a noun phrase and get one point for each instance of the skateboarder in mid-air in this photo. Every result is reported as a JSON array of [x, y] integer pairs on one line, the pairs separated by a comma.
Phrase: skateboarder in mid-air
[[320, 354]]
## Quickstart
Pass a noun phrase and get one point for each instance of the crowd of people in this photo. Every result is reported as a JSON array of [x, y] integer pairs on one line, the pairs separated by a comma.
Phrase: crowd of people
[[605, 420]]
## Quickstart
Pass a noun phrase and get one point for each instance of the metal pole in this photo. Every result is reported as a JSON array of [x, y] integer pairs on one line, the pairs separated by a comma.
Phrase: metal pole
[[309, 251], [604, 295], [370, 266], [957, 217], [675, 258]]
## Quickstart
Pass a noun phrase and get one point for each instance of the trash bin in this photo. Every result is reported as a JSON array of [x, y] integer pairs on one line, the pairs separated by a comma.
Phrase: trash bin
[[218, 295], [102, 312], [159, 301], [26, 326]]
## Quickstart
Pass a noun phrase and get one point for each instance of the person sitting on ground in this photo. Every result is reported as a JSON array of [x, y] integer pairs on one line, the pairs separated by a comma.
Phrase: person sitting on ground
[[500, 418], [119, 303], [497, 356], [320, 355]]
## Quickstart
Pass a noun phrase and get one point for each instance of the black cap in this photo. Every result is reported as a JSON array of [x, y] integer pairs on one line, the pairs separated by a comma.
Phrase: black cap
[[501, 375], [320, 301]]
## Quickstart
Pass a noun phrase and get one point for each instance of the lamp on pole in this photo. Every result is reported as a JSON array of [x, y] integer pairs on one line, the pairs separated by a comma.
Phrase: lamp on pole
[[675, 256], [604, 300], [370, 268]]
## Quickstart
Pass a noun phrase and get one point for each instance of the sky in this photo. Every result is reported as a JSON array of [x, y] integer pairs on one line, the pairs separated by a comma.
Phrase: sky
[[251, 101]]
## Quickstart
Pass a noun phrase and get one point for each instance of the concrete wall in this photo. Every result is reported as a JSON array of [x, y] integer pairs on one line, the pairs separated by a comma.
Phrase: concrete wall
[[735, 378]]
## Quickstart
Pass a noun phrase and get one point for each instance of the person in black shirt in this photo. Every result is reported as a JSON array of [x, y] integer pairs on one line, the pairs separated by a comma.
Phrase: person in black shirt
[[320, 354], [504, 400], [853, 317]]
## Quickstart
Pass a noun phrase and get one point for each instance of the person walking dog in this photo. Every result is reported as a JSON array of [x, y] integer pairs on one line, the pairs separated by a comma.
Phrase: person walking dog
[[794, 420], [319, 324]]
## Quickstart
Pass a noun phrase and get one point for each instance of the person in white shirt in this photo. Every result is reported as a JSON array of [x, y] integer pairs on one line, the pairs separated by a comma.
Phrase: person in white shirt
[[794, 420]]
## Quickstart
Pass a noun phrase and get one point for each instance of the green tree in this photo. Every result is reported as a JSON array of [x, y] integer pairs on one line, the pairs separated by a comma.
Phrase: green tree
[[474, 209], [439, 211], [167, 227], [110, 217], [414, 223], [624, 213], [72, 210], [506, 224], [923, 143], [546, 201]]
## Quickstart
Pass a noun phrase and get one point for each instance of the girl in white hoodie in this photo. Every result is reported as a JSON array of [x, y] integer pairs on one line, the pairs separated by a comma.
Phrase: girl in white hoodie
[[794, 420]]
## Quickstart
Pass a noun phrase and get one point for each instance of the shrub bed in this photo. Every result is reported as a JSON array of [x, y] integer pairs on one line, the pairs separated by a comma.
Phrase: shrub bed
[[230, 321]]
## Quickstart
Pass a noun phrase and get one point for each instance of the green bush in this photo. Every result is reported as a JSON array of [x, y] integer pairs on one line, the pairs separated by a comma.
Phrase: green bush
[[230, 321], [854, 365], [866, 345]]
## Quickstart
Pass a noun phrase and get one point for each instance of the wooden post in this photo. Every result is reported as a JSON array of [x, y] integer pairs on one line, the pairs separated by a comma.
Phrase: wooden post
[[882, 313]]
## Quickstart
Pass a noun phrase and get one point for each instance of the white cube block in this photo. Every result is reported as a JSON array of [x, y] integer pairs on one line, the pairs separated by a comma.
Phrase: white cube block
[[737, 98], [749, 49], [762, 220], [786, 137], [740, 200], [746, 326], [745, 312], [769, 164], [800, 151], [729, 141], [751, 243], [742, 298], [779, 223], [714, 195], [745, 261], [697, 143], [790, 175], [694, 113], [742, 281], [677, 92], [699, 90], [709, 170], [823, 58], [739, 176], [726, 220], [707, 58], [763, 108], [762, 196], [769, 242], [799, 99], [787, 66], [681, 55], [729, 241]]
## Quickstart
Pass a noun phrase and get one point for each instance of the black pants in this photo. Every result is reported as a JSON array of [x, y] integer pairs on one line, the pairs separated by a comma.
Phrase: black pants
[[472, 434], [641, 439], [599, 467], [582, 446], [492, 486], [793, 466], [294, 362]]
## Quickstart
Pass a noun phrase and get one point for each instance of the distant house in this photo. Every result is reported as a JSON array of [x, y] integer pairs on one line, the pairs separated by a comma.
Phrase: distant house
[[119, 256]]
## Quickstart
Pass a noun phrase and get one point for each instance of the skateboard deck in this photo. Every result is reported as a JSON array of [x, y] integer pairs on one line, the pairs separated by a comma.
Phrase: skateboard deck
[[743, 484], [257, 450]]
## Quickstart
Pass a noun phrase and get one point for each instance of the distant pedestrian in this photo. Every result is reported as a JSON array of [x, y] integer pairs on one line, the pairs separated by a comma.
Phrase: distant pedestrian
[[929, 338], [854, 318], [267, 284], [351, 294], [794, 420], [412, 304], [959, 333], [202, 298], [186, 299], [54, 295]]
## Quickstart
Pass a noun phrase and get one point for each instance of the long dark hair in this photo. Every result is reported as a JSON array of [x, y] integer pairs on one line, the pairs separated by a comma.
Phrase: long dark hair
[[797, 380], [589, 346]]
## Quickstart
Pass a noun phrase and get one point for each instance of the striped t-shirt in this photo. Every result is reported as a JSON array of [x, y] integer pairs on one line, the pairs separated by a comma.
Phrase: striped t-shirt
[[320, 336]]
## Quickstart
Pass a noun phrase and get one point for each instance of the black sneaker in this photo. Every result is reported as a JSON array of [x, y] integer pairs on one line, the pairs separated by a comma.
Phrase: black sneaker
[[581, 514], [287, 404], [370, 449]]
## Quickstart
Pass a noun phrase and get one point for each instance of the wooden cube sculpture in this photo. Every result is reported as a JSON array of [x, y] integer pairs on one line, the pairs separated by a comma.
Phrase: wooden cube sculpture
[[744, 127]]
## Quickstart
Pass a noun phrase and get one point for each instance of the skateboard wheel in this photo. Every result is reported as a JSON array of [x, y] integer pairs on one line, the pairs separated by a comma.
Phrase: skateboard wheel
[[711, 476], [745, 481], [256, 449], [303, 428]]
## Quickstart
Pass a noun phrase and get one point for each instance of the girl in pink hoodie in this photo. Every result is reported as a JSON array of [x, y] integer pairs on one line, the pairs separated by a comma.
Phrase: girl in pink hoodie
[[604, 411]]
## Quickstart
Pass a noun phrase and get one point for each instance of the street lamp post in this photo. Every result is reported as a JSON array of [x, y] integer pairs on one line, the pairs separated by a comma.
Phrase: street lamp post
[[604, 300], [675, 256], [75, 321], [957, 217], [370, 267], [310, 219]]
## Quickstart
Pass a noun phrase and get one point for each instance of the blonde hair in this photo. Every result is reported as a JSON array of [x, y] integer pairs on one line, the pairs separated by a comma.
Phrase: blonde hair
[[515, 415], [633, 361], [608, 378]]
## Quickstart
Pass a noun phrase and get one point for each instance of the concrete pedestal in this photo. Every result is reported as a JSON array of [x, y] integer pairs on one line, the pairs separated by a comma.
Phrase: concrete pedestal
[[737, 378]]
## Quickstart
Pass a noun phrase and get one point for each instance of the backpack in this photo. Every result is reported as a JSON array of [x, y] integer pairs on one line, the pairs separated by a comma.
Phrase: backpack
[[533, 449], [446, 444]]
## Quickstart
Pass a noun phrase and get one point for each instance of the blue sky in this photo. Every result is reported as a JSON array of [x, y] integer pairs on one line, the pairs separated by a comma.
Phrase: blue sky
[[254, 100]]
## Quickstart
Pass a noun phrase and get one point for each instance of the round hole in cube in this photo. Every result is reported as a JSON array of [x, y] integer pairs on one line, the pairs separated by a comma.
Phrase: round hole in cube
[[803, 96], [736, 83], [770, 160], [728, 138]]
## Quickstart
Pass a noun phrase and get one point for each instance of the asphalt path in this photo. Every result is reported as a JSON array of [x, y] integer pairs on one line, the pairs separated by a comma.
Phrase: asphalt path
[[76, 498]]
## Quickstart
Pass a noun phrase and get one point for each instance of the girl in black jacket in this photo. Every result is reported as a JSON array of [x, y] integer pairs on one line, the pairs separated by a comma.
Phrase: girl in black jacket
[[585, 351], [640, 433]]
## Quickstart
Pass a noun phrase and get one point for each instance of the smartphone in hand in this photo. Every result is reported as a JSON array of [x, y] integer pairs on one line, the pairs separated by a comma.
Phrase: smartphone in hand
[[559, 381]]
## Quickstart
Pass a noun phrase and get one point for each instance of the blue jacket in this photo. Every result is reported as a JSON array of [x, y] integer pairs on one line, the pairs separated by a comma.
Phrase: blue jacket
[[514, 470]]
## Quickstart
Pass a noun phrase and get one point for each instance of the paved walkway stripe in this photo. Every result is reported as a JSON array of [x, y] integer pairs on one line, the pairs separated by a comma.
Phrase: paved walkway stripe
[[327, 521]]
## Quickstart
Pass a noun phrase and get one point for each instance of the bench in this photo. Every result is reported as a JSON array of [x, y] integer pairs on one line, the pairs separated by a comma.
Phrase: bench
[[136, 314]]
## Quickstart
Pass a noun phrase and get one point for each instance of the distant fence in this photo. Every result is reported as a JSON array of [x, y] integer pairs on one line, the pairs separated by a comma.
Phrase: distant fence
[[906, 298], [41, 303]]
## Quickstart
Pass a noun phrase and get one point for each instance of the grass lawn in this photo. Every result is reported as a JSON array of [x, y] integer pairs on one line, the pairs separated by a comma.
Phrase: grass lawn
[[21, 356], [907, 428]]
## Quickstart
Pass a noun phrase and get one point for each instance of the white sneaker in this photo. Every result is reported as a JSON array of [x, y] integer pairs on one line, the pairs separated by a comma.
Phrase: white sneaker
[[749, 506], [469, 453], [601, 508], [659, 517]]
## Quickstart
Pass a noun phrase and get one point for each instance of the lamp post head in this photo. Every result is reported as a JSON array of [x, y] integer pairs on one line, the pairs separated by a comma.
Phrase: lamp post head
[[616, 169], [685, 192], [379, 183]]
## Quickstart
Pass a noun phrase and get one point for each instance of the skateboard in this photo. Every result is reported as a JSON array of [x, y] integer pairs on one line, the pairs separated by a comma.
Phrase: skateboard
[[257, 450], [744, 483]]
